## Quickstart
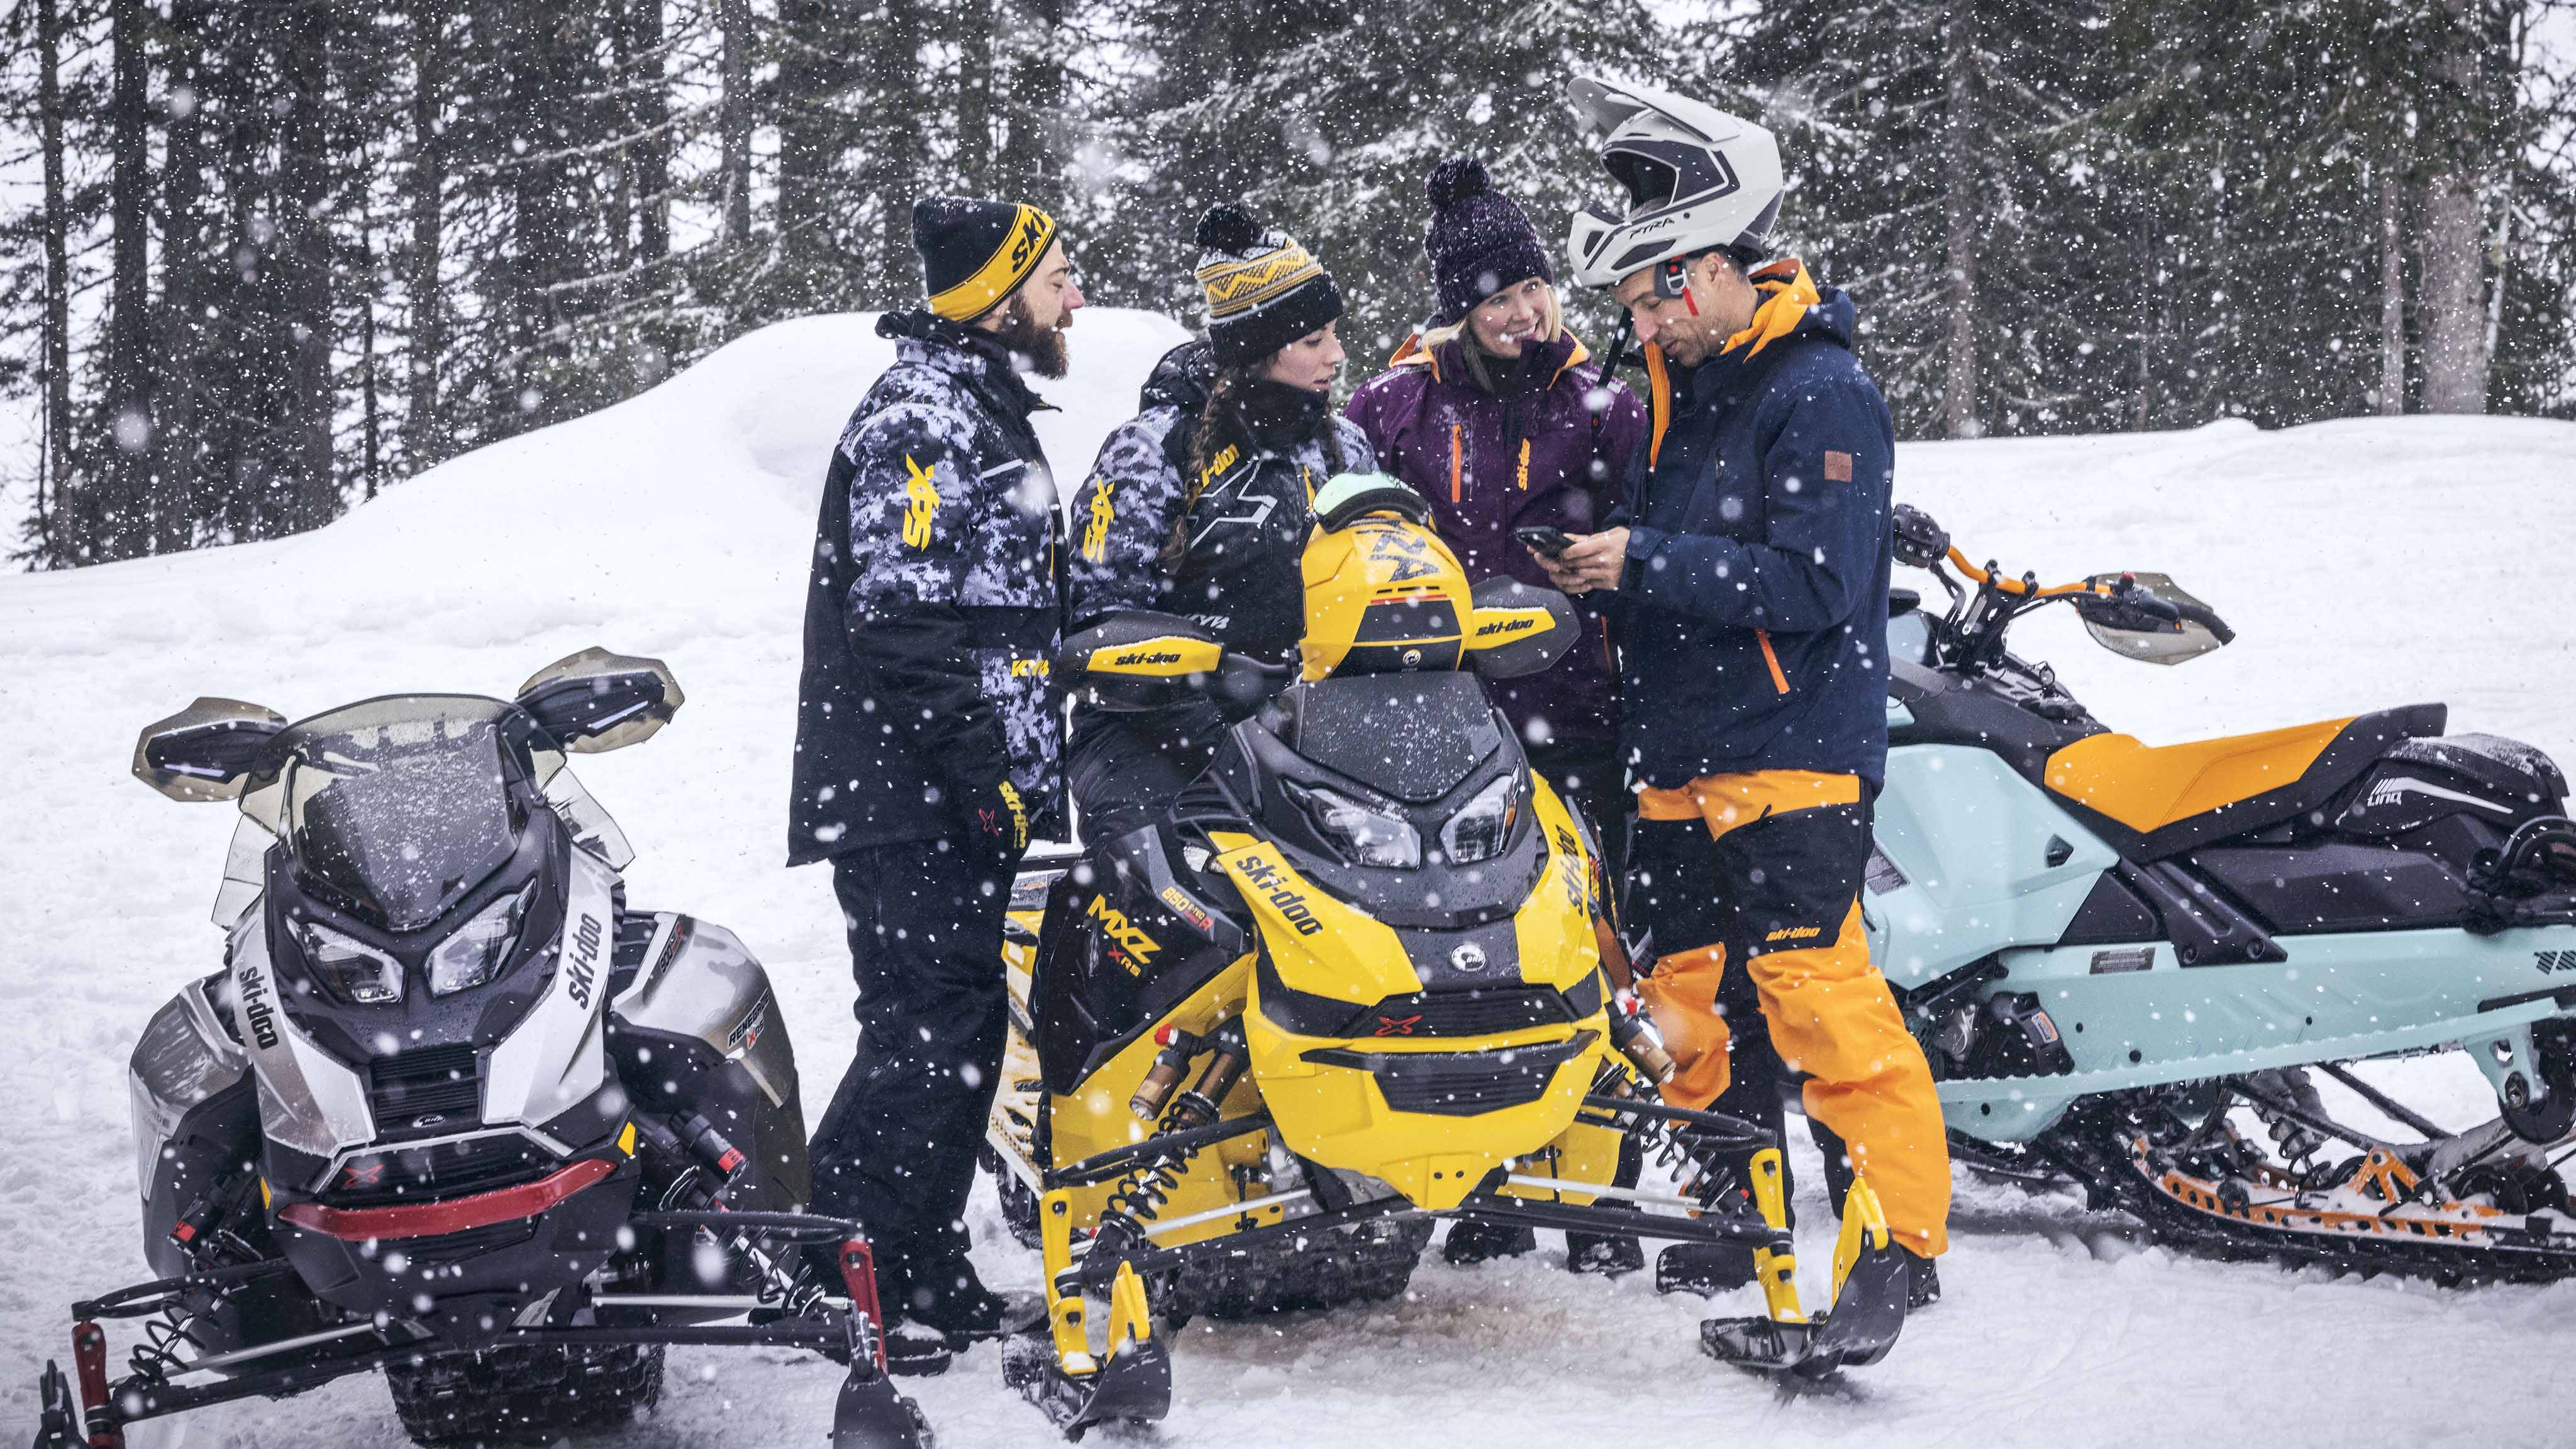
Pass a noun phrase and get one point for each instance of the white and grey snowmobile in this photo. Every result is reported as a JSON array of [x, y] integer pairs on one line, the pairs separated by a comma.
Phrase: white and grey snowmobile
[[452, 1111], [2151, 969]]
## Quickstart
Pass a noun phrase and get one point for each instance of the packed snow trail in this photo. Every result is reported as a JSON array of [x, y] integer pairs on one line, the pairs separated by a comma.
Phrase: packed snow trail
[[2363, 564]]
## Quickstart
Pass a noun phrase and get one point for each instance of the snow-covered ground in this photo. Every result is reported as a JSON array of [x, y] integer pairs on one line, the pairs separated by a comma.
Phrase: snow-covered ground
[[2363, 564]]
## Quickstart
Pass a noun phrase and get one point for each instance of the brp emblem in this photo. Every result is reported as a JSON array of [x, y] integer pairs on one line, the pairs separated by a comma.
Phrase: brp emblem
[[1469, 958]]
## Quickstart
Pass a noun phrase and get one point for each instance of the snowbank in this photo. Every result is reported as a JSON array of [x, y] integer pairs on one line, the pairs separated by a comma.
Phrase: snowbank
[[2363, 564]]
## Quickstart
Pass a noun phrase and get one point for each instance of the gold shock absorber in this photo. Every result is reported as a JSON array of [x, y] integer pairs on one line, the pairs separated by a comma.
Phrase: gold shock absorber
[[1064, 1310], [1864, 1223], [1777, 1271]]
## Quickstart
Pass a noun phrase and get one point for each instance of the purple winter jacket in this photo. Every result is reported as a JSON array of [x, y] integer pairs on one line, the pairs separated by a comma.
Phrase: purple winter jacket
[[1527, 453]]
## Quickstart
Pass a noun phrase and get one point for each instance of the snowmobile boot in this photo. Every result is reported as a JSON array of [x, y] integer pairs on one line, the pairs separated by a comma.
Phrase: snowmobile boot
[[1923, 1283], [1614, 1256], [944, 1295], [1470, 1243], [915, 1350], [1706, 1269]]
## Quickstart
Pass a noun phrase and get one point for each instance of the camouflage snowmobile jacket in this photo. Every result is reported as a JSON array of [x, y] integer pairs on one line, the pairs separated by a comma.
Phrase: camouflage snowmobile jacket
[[1220, 546], [934, 605]]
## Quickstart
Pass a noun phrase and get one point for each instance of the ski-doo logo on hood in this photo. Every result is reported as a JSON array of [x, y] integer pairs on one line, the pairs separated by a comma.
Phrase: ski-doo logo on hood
[[1264, 877], [258, 1013], [581, 967]]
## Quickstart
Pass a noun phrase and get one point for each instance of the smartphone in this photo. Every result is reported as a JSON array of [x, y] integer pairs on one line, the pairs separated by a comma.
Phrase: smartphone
[[1543, 539]]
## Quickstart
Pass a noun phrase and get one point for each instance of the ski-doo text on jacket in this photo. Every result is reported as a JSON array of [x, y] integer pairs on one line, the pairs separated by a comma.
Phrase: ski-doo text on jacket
[[1757, 574], [1219, 544], [1534, 450], [934, 604]]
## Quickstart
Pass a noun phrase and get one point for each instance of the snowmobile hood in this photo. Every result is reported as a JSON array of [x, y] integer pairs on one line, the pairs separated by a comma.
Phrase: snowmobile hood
[[1181, 379]]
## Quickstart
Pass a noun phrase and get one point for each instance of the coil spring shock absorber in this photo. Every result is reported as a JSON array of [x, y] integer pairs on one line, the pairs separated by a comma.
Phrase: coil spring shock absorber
[[1691, 1154], [1138, 1199]]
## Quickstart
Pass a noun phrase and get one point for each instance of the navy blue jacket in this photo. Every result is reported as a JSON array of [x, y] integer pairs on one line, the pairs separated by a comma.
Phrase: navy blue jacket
[[1757, 572]]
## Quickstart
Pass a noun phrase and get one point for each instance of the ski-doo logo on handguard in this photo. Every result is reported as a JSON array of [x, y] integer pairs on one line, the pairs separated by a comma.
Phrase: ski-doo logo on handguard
[[257, 1011], [1145, 656], [581, 968], [1262, 876], [1129, 947]]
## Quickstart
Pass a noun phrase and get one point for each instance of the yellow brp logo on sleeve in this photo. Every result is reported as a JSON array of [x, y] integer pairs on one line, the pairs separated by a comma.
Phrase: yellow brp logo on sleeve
[[1095, 535], [923, 494]]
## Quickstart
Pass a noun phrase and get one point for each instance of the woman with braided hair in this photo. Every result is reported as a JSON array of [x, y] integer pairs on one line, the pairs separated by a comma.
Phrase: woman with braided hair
[[1200, 504]]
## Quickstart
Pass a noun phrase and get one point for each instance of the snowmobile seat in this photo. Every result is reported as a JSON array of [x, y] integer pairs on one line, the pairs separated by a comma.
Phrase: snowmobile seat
[[2151, 801]]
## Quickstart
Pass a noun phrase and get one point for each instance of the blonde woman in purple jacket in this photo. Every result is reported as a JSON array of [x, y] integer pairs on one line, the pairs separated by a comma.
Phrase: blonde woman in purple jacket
[[1497, 415]]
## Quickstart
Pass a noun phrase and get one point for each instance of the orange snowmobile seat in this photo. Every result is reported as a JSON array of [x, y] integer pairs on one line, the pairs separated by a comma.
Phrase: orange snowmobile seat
[[2155, 800]]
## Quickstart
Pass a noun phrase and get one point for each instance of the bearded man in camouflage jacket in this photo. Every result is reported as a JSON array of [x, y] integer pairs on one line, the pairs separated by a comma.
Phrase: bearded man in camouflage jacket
[[928, 741]]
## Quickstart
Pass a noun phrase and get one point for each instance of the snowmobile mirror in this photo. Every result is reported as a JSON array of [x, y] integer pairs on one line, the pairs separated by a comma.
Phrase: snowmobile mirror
[[1518, 628], [2151, 618], [206, 751], [1139, 660], [596, 701]]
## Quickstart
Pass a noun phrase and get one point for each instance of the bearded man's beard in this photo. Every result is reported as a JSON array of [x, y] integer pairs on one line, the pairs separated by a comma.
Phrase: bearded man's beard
[[1043, 346]]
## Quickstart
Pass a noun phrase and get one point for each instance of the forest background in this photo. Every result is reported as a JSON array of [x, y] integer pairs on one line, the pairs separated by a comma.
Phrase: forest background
[[262, 259]]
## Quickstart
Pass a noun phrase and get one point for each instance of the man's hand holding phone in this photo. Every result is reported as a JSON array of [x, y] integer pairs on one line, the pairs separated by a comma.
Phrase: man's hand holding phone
[[1585, 562]]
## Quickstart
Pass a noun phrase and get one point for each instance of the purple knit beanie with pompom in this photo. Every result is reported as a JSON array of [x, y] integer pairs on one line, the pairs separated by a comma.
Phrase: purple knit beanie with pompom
[[1479, 242]]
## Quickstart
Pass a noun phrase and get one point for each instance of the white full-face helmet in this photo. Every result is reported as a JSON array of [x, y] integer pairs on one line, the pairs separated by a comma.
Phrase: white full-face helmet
[[1697, 179]]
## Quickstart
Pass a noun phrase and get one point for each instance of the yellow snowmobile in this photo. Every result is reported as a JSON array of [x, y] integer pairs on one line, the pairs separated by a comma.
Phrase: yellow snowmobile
[[1364, 974]]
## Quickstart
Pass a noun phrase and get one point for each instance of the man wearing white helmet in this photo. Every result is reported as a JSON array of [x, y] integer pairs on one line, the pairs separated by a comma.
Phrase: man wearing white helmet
[[1753, 571]]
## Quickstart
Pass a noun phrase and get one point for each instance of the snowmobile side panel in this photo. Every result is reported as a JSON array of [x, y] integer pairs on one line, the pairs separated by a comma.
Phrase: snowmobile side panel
[[2336, 998], [554, 1058], [184, 1056], [310, 1101], [1982, 862], [708, 986]]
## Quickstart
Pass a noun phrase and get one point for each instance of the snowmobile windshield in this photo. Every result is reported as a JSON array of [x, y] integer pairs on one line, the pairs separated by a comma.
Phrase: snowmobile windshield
[[400, 807]]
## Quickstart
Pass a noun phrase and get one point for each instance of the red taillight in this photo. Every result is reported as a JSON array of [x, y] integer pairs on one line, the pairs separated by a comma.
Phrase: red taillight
[[454, 1215]]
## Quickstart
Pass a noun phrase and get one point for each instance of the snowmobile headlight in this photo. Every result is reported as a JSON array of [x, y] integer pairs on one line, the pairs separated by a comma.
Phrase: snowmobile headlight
[[350, 969], [474, 951], [1483, 825], [1366, 836]]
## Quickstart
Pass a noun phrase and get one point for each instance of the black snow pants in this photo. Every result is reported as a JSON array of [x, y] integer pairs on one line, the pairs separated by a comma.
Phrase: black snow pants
[[896, 1149], [1125, 770]]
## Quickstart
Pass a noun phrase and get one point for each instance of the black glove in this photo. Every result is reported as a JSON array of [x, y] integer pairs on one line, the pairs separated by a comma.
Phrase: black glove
[[997, 821]]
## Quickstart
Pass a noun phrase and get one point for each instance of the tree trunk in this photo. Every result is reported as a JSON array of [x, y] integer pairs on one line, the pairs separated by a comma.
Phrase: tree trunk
[[422, 445], [2392, 297], [2453, 299], [973, 30], [186, 251], [123, 520], [733, 119], [370, 420], [305, 197], [894, 169], [810, 126], [652, 154], [1960, 218], [56, 541], [1033, 156]]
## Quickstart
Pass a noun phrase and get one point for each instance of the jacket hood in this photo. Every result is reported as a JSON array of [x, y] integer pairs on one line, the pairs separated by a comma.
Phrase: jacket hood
[[1181, 379], [1539, 367], [1793, 305], [957, 348]]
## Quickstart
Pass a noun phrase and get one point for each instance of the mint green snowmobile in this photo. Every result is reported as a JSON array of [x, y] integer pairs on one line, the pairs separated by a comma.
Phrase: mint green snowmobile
[[2151, 969]]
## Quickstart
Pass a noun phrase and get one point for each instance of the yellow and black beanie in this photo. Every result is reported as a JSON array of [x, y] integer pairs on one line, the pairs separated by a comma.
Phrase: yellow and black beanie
[[1263, 290], [974, 252]]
